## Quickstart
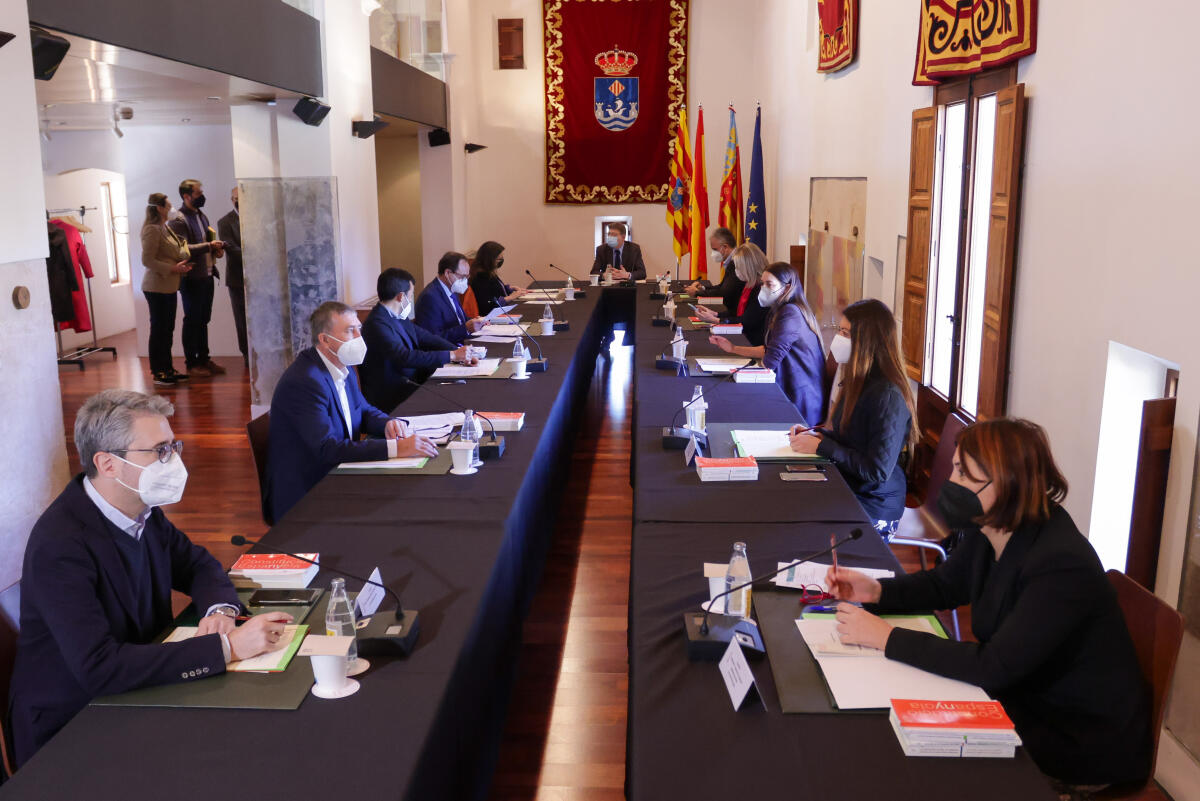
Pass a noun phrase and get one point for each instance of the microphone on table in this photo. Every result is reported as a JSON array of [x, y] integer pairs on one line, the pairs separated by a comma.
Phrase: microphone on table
[[381, 635], [675, 437], [710, 641], [579, 293], [486, 449], [562, 325]]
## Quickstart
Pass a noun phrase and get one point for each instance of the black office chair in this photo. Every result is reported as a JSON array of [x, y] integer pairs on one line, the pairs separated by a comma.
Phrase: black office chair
[[259, 432], [10, 625]]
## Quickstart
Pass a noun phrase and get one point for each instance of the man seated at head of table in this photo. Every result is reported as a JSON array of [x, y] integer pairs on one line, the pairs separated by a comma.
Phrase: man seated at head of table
[[98, 572], [625, 258], [318, 413], [398, 348], [439, 308]]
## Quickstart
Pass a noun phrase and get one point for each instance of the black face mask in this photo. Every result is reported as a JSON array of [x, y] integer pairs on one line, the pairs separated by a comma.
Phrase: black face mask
[[198, 202], [499, 262], [960, 507]]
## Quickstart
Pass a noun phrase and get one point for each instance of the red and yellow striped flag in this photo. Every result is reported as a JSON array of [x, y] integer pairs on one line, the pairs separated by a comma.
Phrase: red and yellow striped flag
[[698, 205], [680, 188], [729, 214]]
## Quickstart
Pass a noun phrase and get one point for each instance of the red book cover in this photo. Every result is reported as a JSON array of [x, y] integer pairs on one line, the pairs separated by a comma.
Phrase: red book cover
[[736, 461], [264, 562], [951, 714], [502, 415]]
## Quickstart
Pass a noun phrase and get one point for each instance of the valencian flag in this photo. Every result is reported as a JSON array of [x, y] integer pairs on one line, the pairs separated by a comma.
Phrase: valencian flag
[[756, 201], [729, 214], [698, 204], [679, 189]]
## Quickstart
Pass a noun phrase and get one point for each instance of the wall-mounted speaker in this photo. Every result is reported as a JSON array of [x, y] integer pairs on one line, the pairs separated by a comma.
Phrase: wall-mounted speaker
[[48, 52], [439, 137], [310, 110], [365, 129], [6, 37]]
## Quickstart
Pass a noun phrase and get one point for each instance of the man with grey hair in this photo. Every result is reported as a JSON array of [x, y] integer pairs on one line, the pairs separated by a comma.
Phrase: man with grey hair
[[318, 413], [730, 289], [98, 573]]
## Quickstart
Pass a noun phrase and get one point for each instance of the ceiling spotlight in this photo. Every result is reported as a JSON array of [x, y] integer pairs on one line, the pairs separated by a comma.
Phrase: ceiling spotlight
[[117, 130], [471, 147], [185, 119], [126, 113], [213, 97], [271, 102]]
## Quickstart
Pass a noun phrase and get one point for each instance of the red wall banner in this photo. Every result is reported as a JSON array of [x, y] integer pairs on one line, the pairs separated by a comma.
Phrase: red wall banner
[[839, 33], [959, 37], [616, 79]]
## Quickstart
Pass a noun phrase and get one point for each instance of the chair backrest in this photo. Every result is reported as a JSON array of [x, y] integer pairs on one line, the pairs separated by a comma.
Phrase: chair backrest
[[1157, 632], [10, 623], [259, 432], [470, 304], [943, 461]]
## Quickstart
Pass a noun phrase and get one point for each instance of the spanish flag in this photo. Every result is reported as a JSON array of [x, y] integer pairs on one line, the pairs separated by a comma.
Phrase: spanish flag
[[698, 205], [680, 188], [729, 214]]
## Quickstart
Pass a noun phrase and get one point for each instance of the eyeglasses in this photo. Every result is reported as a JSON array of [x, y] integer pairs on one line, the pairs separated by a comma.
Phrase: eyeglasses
[[161, 452]]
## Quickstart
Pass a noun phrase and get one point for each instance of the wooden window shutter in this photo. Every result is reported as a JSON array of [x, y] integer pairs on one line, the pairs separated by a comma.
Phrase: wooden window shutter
[[922, 154], [1001, 250], [511, 38]]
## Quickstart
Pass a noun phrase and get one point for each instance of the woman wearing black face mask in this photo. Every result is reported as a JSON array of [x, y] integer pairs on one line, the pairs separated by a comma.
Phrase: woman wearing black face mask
[[490, 291], [1052, 645]]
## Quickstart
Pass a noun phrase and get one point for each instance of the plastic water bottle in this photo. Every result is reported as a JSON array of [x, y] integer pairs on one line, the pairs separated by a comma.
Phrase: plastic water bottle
[[339, 617], [519, 352], [470, 434], [697, 410], [738, 603], [570, 283], [547, 314]]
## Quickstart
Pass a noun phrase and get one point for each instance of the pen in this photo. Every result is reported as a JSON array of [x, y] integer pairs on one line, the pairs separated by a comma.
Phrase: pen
[[833, 546]]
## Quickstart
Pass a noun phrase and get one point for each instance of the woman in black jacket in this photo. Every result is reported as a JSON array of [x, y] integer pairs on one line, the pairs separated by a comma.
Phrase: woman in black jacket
[[1052, 645], [872, 417], [490, 291], [749, 263]]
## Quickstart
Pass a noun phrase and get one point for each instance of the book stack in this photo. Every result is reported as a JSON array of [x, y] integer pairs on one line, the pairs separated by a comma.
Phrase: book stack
[[505, 421], [273, 570], [725, 329], [953, 728], [738, 468], [754, 375]]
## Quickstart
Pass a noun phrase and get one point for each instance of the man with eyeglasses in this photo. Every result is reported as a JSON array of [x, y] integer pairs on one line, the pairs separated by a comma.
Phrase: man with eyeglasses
[[439, 308], [98, 572]]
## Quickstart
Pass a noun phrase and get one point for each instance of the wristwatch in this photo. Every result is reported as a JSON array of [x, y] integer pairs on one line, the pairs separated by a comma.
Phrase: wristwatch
[[228, 611]]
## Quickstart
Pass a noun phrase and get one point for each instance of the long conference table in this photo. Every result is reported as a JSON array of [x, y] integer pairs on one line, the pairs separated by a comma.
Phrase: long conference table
[[467, 552]]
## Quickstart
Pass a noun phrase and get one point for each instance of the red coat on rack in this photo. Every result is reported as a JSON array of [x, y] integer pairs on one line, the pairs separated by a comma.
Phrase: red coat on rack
[[83, 268]]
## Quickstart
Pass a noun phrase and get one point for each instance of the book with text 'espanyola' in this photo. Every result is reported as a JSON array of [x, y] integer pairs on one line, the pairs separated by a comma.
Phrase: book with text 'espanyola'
[[977, 721], [273, 570], [505, 421]]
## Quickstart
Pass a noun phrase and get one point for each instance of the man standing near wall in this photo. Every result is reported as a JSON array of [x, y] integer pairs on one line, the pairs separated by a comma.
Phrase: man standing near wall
[[229, 228], [199, 283]]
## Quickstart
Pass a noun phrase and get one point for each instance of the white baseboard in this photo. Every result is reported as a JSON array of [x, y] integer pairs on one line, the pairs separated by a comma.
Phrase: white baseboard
[[1177, 771]]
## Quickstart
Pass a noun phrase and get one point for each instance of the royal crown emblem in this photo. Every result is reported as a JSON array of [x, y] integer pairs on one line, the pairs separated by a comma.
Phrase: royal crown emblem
[[617, 62]]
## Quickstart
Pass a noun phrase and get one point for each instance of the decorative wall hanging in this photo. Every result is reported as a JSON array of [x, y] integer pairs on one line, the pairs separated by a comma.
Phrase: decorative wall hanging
[[616, 80], [839, 34], [959, 38]]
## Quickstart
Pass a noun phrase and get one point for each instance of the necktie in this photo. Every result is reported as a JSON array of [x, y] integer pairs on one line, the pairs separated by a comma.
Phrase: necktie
[[616, 259]]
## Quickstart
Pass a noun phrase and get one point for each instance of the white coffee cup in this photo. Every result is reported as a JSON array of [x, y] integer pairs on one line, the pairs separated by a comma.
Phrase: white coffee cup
[[519, 366], [594, 278], [330, 672], [547, 327], [461, 453], [716, 586], [569, 293]]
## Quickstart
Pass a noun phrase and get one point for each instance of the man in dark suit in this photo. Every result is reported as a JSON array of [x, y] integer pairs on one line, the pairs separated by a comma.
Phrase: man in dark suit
[[98, 573], [730, 289], [198, 284], [439, 308], [229, 230], [318, 413], [625, 258], [398, 348]]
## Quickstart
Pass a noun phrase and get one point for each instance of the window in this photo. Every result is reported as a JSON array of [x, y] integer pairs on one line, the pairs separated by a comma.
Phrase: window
[[116, 231]]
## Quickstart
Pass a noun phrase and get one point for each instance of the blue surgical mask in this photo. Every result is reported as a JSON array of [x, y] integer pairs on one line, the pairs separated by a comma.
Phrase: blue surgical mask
[[611, 241]]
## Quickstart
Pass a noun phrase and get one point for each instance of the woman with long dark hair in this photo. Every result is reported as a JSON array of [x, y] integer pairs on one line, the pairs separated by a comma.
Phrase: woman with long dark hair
[[791, 344], [873, 418], [490, 290]]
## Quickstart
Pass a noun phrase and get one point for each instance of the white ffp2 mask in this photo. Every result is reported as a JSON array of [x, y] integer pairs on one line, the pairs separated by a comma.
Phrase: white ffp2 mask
[[161, 483], [839, 348]]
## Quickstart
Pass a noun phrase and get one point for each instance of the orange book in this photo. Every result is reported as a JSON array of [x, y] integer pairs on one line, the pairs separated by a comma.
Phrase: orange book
[[955, 715], [734, 461], [251, 563]]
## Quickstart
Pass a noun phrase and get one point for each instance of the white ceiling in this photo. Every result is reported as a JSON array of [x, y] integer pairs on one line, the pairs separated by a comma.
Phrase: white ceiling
[[95, 78]]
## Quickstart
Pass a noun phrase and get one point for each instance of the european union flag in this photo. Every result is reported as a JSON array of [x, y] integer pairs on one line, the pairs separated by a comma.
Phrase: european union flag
[[756, 200]]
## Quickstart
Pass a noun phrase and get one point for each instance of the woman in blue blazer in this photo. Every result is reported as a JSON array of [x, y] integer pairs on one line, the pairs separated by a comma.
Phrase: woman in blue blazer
[[873, 418], [791, 345]]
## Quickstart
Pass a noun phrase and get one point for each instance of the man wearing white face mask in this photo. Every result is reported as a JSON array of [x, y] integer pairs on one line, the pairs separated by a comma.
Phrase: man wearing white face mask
[[730, 289], [398, 348], [439, 309], [318, 413], [624, 257], [98, 573]]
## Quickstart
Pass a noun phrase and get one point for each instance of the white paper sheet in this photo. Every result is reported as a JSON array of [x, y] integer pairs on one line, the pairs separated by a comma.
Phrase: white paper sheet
[[369, 597], [821, 637], [764, 444], [415, 462], [501, 330], [496, 340], [263, 663], [500, 311], [543, 302], [813, 574], [721, 365], [434, 425], [485, 367]]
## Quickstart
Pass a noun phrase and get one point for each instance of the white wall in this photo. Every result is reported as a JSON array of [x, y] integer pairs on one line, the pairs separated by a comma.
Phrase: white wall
[[33, 467], [398, 166], [155, 159]]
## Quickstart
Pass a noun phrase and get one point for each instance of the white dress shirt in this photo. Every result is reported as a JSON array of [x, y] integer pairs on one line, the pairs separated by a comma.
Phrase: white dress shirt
[[339, 376]]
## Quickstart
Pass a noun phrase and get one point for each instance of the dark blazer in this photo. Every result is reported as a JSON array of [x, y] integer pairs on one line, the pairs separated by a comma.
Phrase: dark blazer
[[203, 263], [397, 349], [1053, 647], [441, 315], [489, 290], [793, 351], [753, 320], [229, 231], [631, 260], [729, 290], [867, 448], [308, 430], [86, 630]]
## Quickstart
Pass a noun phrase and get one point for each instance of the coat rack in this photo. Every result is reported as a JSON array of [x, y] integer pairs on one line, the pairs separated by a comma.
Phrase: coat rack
[[77, 356]]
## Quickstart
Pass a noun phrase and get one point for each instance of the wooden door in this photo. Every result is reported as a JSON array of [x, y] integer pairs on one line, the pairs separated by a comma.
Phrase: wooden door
[[921, 158]]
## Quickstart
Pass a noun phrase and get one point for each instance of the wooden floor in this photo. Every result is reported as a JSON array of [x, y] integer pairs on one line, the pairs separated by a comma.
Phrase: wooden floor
[[565, 736]]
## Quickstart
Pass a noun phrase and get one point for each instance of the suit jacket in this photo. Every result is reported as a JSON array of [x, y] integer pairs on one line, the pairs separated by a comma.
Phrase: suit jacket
[[85, 631], [753, 320], [203, 264], [631, 260], [867, 447], [1052, 647], [729, 290], [308, 431], [397, 349], [793, 351], [162, 249], [439, 314], [229, 231]]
